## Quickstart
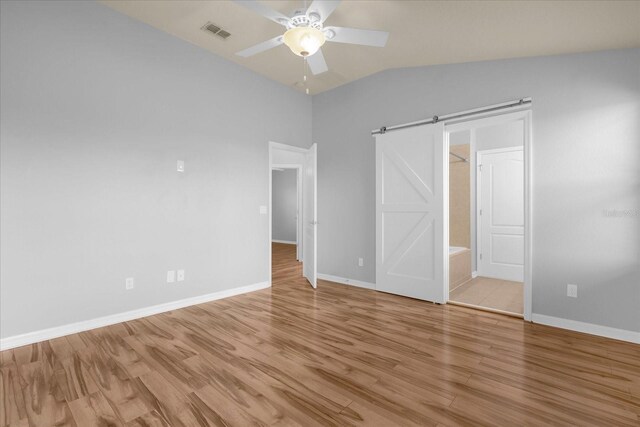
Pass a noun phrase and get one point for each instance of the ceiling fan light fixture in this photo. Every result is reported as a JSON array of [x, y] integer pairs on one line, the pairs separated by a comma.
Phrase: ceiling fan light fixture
[[304, 41]]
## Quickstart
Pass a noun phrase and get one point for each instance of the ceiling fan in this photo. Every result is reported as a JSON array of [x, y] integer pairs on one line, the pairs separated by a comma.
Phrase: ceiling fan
[[306, 33]]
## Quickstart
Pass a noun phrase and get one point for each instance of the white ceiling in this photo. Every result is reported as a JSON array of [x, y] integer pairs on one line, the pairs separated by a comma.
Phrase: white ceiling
[[421, 32]]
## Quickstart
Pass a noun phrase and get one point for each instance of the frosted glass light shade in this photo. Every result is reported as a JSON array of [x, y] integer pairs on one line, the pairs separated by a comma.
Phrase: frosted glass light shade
[[304, 41]]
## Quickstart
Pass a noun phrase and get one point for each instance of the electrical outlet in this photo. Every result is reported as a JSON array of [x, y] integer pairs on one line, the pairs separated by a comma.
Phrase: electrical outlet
[[180, 167], [360, 262], [572, 291], [171, 276], [180, 275], [263, 210], [128, 283]]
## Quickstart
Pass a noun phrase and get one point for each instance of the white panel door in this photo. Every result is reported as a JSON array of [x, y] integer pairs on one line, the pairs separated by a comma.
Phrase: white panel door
[[310, 217], [501, 214], [410, 212]]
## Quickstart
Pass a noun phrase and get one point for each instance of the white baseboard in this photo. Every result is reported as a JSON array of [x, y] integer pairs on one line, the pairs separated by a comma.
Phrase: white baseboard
[[73, 328], [286, 242], [587, 328], [345, 281]]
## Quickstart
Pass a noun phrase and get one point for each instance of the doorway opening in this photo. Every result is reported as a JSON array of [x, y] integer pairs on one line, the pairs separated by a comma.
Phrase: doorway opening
[[292, 214], [286, 222], [488, 213]]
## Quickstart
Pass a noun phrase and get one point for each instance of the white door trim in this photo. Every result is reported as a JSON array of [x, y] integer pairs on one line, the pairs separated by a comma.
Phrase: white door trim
[[284, 147], [527, 116]]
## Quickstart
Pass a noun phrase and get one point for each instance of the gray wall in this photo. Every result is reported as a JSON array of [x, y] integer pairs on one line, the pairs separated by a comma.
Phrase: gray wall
[[284, 188], [586, 152], [96, 109]]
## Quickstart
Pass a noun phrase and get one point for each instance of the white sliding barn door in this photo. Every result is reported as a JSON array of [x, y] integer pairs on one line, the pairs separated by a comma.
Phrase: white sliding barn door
[[410, 212], [501, 214]]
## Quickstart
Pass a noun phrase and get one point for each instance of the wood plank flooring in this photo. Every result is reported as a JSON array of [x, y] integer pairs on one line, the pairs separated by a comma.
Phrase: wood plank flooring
[[338, 355]]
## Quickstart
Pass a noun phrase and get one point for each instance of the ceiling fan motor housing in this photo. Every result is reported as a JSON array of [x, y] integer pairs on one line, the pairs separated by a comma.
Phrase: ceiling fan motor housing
[[300, 18]]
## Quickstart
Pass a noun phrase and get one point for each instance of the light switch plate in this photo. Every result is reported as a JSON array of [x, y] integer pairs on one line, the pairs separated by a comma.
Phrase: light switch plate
[[263, 210], [180, 165], [180, 275], [171, 276]]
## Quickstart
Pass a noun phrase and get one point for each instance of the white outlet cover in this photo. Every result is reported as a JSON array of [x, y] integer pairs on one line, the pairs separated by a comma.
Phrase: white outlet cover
[[180, 275], [572, 290], [263, 210], [180, 165], [171, 276], [360, 262], [128, 283]]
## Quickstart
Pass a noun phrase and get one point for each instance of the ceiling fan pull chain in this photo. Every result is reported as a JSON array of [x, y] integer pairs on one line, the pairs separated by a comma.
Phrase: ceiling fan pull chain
[[304, 72]]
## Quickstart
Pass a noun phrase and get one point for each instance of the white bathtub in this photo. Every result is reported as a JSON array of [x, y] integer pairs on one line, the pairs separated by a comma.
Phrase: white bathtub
[[459, 266], [456, 249]]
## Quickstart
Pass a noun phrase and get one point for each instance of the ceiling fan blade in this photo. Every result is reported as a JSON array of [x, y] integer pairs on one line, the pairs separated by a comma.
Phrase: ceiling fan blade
[[261, 47], [356, 36], [324, 8], [265, 11], [317, 64]]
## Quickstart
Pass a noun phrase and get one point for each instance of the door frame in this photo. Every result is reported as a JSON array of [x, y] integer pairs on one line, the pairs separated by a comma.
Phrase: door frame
[[478, 227], [526, 115], [273, 146]]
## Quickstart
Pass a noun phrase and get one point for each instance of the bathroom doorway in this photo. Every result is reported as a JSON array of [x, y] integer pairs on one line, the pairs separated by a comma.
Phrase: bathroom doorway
[[488, 213]]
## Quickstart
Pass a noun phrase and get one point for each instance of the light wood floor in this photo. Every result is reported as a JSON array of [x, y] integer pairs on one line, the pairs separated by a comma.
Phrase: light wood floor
[[340, 355], [495, 294]]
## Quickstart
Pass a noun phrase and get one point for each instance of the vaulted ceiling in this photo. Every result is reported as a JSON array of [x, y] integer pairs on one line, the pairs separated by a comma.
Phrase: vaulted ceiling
[[421, 32]]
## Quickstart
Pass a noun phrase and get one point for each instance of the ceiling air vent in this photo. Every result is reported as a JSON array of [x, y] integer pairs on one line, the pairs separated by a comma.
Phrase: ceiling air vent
[[214, 29]]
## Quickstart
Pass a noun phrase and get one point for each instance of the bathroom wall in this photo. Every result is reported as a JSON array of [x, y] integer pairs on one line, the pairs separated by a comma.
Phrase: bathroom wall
[[459, 197]]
